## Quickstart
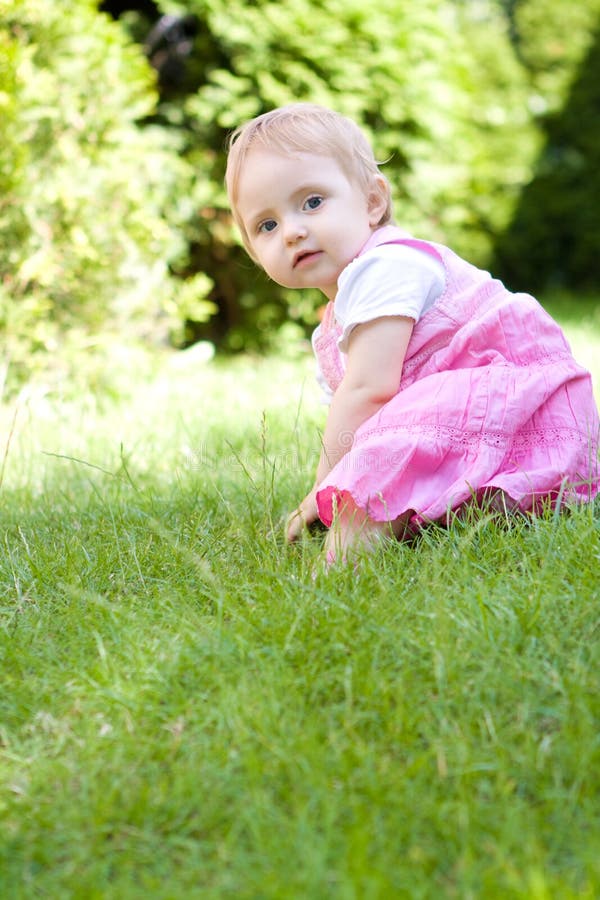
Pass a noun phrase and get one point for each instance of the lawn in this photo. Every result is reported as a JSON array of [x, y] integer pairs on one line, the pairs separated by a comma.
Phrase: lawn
[[187, 713]]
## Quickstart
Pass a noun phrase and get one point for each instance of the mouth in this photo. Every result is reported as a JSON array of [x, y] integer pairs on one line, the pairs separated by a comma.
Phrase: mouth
[[304, 256]]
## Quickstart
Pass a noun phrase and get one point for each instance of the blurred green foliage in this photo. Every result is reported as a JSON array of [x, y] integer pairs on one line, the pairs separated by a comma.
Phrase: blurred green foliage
[[554, 236], [113, 216], [89, 201]]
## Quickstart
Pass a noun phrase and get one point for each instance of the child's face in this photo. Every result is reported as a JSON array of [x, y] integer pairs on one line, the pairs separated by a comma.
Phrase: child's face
[[304, 218]]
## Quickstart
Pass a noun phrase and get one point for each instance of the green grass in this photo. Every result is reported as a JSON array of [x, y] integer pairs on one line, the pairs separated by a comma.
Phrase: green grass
[[186, 713]]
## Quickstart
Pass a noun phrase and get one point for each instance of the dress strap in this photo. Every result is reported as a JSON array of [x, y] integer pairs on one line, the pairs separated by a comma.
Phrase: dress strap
[[326, 349], [328, 321]]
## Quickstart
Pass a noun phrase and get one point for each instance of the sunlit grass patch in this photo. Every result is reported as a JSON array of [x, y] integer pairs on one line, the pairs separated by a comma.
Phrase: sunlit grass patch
[[580, 318], [189, 708]]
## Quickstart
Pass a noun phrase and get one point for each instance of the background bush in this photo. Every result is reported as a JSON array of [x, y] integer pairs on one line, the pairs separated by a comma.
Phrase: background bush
[[89, 199], [113, 217], [554, 237]]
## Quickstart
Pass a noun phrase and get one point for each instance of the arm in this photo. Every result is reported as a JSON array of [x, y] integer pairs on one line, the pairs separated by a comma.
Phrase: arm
[[376, 352]]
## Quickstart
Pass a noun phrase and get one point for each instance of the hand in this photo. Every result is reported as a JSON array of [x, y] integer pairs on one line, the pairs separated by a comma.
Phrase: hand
[[301, 518]]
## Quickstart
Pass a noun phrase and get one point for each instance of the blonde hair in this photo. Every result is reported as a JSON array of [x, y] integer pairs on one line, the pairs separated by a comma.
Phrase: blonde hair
[[303, 128]]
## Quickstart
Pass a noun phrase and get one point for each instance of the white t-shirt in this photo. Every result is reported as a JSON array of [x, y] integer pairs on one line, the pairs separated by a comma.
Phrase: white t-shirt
[[390, 280]]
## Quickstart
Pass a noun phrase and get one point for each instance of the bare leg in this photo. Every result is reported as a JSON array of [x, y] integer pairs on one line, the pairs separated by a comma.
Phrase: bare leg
[[352, 530]]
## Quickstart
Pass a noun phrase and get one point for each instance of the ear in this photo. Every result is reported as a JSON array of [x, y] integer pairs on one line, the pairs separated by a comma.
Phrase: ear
[[377, 199]]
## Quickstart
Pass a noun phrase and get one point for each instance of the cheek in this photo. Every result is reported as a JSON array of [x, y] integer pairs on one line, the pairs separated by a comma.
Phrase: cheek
[[258, 254], [269, 257]]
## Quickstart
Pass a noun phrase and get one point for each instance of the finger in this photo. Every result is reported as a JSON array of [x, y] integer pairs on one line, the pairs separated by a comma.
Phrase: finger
[[295, 525], [293, 533]]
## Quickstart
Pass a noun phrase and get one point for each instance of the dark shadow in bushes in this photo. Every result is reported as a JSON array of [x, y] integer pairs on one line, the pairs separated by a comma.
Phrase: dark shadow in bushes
[[554, 238]]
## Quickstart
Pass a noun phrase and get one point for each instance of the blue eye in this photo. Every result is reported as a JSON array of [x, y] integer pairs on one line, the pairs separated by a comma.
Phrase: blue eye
[[268, 225], [313, 202]]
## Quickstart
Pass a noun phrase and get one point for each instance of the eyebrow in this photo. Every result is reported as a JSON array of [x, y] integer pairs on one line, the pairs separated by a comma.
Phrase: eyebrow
[[310, 187]]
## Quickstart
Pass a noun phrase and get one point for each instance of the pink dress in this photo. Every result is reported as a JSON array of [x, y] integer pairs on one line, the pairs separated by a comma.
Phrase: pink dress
[[490, 399]]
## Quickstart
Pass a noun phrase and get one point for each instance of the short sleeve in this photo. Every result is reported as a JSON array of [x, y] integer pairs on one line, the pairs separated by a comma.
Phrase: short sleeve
[[390, 280]]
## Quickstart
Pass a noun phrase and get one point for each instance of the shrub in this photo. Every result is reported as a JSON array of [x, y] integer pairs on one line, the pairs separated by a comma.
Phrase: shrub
[[554, 238], [89, 200]]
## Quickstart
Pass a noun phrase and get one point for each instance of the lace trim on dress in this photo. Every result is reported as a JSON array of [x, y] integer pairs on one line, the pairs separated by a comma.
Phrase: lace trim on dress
[[518, 441]]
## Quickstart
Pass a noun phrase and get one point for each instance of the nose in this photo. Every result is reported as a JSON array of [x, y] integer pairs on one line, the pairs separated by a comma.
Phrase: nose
[[293, 230]]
